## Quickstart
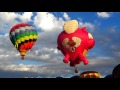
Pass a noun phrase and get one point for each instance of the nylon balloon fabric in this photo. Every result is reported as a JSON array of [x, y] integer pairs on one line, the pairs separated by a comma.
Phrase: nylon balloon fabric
[[23, 36], [74, 43], [90, 74]]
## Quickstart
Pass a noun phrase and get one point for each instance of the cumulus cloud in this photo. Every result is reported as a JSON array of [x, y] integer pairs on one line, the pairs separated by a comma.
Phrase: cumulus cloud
[[65, 15], [26, 16], [90, 26], [8, 16], [45, 52], [8, 19], [103, 14], [47, 21], [54, 69]]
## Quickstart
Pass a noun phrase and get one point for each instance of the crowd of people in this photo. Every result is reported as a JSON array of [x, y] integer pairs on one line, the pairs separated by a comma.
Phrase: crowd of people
[[94, 74]]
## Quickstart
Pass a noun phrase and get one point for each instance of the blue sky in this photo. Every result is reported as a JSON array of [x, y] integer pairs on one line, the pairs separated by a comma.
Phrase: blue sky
[[44, 60]]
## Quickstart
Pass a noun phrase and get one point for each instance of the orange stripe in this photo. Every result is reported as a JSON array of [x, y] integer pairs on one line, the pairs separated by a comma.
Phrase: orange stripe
[[99, 75], [94, 75]]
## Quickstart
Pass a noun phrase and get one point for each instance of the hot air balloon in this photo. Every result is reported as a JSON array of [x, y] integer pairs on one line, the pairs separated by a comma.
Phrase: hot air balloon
[[90, 74], [23, 36], [115, 72], [74, 43]]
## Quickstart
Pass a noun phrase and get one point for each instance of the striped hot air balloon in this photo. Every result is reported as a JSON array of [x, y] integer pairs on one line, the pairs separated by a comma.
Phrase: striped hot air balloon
[[23, 36], [90, 74]]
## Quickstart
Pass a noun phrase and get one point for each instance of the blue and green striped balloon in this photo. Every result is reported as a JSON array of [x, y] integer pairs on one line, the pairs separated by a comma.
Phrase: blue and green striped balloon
[[23, 36]]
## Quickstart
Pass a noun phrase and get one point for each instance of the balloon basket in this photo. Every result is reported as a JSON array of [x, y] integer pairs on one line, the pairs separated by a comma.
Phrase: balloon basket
[[76, 70], [23, 53], [22, 57]]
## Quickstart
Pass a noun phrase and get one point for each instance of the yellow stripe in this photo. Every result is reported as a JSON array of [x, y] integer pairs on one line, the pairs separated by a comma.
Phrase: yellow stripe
[[91, 75], [84, 52], [26, 37], [31, 36], [85, 75], [22, 39], [16, 45], [35, 36], [96, 75], [18, 41]]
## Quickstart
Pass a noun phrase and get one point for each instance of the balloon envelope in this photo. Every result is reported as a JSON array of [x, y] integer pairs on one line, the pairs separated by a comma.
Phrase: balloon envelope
[[74, 43], [23, 36], [90, 74], [116, 71]]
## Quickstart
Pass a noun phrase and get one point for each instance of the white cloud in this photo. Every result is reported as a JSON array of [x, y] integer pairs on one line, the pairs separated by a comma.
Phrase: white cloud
[[8, 19], [47, 21], [88, 25], [65, 15], [26, 16], [13, 67], [103, 14], [58, 68]]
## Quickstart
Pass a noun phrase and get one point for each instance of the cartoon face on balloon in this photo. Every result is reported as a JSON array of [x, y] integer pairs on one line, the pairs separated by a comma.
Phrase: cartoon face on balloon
[[74, 43]]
